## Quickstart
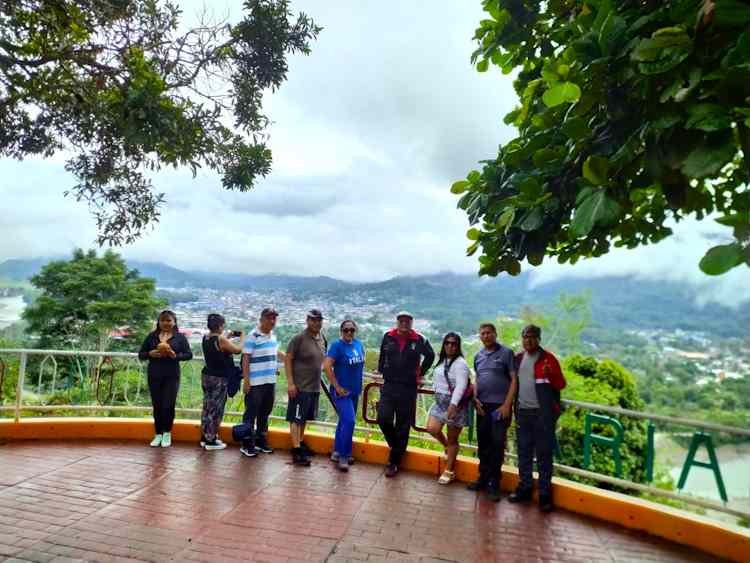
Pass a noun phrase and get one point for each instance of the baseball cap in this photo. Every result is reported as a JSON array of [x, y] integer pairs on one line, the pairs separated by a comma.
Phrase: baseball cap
[[404, 314], [269, 312], [314, 314]]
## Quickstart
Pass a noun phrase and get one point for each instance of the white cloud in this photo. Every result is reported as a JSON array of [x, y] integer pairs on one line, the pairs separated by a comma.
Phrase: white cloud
[[368, 134]]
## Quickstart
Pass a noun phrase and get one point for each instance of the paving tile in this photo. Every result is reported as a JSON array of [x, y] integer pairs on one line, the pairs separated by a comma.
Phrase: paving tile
[[123, 501]]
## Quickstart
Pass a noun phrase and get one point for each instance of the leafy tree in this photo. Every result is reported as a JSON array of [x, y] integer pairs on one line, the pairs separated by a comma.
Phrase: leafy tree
[[608, 383], [632, 114], [85, 298], [122, 87]]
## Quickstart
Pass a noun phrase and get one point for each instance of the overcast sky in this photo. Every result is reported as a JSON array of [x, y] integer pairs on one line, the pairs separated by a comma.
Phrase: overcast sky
[[369, 132]]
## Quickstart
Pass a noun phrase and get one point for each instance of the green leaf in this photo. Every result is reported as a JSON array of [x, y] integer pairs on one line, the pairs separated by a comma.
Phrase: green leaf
[[707, 160], [670, 59], [473, 234], [506, 218], [736, 220], [460, 187], [731, 13], [720, 259], [472, 248], [532, 220], [666, 121], [596, 170], [708, 117], [560, 93], [531, 188], [544, 156], [576, 128], [483, 65], [597, 209]]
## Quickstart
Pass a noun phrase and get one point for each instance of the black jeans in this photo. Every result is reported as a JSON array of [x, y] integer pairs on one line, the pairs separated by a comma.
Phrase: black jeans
[[258, 406], [492, 433], [163, 389], [399, 403], [535, 433]]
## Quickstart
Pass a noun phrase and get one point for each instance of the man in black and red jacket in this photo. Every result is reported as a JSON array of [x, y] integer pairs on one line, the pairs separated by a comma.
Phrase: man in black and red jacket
[[405, 355], [540, 380]]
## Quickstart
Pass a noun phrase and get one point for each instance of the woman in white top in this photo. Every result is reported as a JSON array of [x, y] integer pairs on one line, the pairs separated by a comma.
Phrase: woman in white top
[[450, 378]]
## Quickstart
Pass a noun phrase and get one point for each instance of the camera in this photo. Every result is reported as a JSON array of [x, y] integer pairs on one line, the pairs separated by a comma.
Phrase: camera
[[236, 333]]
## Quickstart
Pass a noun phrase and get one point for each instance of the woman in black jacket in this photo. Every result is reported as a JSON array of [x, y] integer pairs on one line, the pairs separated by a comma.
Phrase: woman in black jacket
[[164, 348]]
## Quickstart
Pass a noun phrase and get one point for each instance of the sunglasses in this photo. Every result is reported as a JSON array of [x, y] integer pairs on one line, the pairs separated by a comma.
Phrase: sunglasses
[[349, 330]]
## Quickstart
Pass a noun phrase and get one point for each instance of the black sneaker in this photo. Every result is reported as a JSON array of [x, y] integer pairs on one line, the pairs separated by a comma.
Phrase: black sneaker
[[391, 470], [477, 485], [248, 451], [264, 448], [214, 445], [351, 460], [520, 495], [299, 458], [493, 493], [545, 503], [305, 449]]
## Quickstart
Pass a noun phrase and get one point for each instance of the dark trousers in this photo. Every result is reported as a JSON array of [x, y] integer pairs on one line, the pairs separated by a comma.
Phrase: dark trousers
[[214, 400], [397, 404], [535, 433], [163, 391], [492, 432], [258, 406]]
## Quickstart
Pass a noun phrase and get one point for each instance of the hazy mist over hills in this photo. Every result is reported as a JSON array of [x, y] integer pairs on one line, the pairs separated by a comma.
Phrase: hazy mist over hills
[[616, 301]]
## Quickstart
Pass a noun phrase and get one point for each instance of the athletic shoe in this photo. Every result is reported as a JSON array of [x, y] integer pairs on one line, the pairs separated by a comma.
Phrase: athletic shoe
[[203, 441], [264, 448], [249, 452], [215, 445], [493, 493], [299, 458], [477, 485], [306, 449], [391, 470], [519, 495], [545, 503], [166, 439], [335, 457], [156, 442], [343, 464], [351, 460]]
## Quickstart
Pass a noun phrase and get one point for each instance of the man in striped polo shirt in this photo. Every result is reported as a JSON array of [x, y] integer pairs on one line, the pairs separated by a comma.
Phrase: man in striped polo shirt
[[260, 363]]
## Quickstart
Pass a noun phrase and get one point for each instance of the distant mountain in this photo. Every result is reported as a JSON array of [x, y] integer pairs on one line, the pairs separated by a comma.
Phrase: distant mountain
[[456, 299]]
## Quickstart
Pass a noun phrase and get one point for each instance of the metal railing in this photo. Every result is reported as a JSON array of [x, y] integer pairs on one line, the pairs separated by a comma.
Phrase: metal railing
[[101, 379]]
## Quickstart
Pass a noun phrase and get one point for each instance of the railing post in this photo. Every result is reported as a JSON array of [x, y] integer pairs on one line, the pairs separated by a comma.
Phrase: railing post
[[19, 385]]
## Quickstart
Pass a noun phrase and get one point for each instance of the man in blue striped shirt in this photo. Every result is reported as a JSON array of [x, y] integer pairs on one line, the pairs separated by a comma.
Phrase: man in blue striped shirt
[[260, 364]]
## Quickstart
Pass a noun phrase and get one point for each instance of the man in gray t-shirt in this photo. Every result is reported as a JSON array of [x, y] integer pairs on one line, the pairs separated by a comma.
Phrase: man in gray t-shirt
[[303, 364], [496, 389]]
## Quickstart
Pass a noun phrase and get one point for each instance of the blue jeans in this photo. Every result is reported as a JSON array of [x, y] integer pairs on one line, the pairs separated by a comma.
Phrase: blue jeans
[[347, 409]]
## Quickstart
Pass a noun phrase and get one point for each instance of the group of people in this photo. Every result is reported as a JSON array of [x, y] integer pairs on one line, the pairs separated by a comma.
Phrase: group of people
[[526, 384]]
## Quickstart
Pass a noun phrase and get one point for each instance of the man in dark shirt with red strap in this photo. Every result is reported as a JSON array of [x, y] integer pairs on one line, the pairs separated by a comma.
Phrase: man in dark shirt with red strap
[[401, 352]]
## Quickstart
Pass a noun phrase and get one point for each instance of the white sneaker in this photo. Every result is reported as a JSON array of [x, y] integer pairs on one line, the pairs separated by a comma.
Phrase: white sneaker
[[166, 440], [156, 442]]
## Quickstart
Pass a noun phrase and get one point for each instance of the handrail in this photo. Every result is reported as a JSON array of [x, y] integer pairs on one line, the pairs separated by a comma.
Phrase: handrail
[[376, 380]]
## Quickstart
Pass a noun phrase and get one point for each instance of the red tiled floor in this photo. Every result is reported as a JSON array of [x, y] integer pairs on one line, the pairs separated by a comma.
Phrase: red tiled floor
[[124, 501]]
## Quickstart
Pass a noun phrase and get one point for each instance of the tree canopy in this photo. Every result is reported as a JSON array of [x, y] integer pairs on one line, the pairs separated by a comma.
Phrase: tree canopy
[[85, 298], [124, 88], [632, 114]]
